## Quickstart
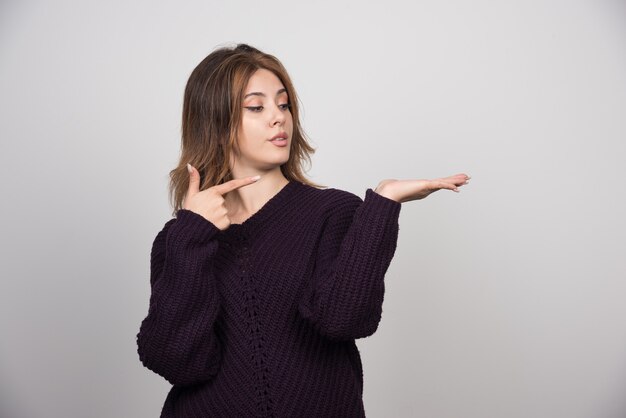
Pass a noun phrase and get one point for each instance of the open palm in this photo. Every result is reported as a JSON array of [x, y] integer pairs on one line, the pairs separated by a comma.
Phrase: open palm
[[407, 190]]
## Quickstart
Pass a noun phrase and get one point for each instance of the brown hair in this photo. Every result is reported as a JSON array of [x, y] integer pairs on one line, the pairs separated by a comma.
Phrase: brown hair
[[212, 115]]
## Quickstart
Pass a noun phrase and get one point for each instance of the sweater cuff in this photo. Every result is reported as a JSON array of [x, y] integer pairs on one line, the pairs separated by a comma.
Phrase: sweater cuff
[[382, 205], [196, 225]]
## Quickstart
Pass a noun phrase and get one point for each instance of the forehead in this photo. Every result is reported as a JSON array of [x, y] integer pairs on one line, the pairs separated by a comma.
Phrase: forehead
[[265, 82]]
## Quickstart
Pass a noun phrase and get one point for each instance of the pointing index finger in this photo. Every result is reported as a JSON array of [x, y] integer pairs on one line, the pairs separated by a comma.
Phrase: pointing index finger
[[235, 184]]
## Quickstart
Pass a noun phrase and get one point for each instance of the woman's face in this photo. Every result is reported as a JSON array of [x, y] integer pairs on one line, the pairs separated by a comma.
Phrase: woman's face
[[266, 113]]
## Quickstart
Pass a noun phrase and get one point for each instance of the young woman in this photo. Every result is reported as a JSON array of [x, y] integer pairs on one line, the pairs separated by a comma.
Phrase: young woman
[[263, 280]]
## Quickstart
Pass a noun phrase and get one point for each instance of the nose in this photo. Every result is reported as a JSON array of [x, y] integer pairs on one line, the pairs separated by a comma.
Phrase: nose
[[278, 116]]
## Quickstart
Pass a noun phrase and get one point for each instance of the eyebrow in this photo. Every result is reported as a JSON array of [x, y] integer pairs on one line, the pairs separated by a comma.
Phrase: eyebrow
[[258, 93]]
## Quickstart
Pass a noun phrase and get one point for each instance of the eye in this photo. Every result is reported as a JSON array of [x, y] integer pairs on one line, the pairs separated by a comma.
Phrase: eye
[[284, 106]]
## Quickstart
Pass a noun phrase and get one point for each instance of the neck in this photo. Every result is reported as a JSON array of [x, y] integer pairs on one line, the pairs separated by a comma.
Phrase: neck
[[247, 200]]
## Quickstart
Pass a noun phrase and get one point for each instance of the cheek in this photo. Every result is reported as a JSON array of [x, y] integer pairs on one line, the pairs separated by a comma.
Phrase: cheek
[[247, 130], [252, 135]]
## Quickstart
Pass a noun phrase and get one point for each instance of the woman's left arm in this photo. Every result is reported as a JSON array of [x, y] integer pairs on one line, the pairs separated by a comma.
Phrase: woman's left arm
[[344, 299]]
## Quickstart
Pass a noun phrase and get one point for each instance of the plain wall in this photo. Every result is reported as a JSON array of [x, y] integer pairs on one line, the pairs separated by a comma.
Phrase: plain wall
[[504, 300]]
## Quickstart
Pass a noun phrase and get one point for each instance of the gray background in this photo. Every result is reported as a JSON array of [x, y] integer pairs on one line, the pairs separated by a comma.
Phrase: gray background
[[504, 300]]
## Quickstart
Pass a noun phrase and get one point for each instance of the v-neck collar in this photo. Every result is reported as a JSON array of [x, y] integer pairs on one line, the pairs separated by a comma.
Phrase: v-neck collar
[[271, 206]]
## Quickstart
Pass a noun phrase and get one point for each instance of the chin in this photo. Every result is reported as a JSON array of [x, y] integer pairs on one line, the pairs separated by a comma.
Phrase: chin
[[270, 164], [282, 160]]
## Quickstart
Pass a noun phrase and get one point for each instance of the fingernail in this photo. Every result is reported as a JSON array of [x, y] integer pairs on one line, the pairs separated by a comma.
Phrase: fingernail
[[255, 178], [456, 190], [189, 168]]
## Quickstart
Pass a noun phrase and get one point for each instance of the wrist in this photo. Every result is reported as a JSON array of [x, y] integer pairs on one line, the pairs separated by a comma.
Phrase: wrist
[[384, 191]]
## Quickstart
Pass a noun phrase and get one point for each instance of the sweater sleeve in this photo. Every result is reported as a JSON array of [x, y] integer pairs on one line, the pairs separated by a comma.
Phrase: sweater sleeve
[[177, 339], [343, 301]]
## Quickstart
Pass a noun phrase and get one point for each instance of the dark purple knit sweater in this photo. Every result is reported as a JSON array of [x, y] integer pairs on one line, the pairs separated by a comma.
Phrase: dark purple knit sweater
[[259, 320]]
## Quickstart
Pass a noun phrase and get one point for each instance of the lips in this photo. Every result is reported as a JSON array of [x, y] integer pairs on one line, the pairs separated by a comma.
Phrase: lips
[[281, 135], [279, 142]]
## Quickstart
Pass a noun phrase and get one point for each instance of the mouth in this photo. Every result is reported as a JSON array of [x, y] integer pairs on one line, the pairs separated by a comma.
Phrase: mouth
[[280, 142], [281, 135]]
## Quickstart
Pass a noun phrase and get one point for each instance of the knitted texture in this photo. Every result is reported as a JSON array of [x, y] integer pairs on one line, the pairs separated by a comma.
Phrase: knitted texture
[[260, 320]]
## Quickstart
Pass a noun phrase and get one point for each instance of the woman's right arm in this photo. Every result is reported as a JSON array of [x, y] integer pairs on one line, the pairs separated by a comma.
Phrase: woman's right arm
[[177, 339]]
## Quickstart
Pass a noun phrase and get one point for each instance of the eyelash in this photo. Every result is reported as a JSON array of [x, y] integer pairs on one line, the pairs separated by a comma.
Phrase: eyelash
[[257, 108]]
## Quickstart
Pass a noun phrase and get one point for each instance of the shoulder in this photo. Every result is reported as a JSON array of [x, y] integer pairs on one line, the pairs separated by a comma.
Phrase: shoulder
[[166, 227], [332, 200], [159, 239]]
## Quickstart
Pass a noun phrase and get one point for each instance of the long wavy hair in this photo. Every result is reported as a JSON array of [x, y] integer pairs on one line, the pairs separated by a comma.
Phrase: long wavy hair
[[212, 114]]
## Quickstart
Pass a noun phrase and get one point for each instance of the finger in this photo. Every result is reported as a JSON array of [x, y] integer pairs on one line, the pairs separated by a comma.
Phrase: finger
[[445, 185], [235, 184], [456, 178], [194, 180], [463, 175]]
